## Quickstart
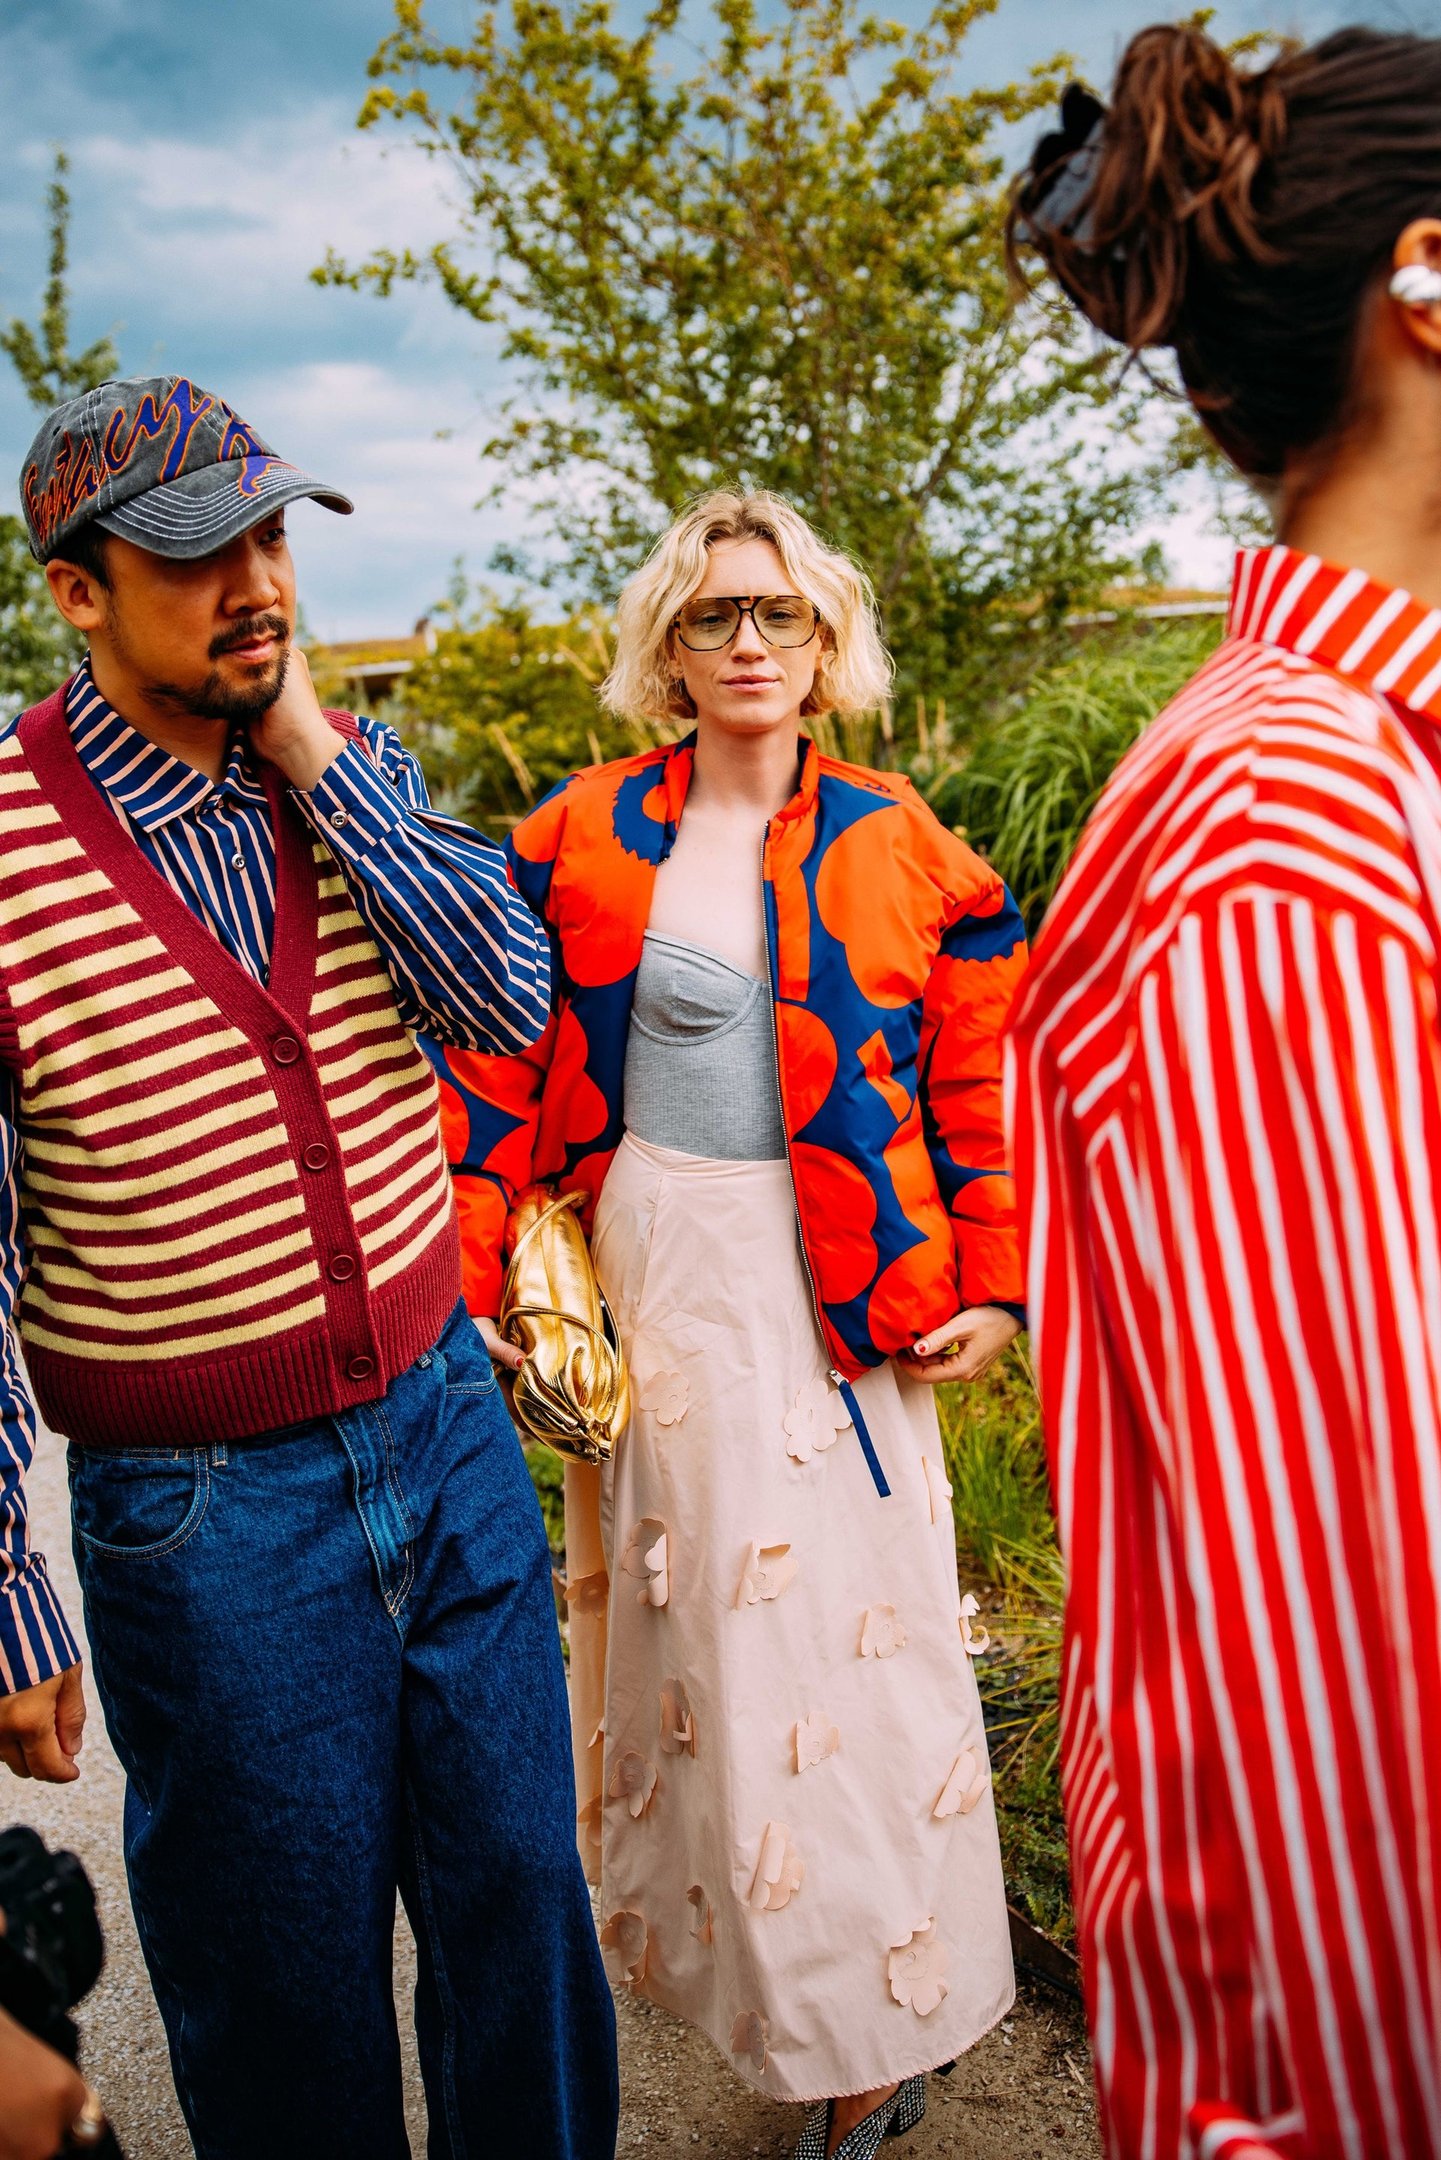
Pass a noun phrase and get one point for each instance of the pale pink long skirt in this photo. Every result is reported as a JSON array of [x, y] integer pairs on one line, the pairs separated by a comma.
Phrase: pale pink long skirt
[[789, 1801]]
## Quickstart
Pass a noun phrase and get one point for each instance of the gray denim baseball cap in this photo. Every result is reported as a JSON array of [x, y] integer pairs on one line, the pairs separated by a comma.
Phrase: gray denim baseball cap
[[161, 462]]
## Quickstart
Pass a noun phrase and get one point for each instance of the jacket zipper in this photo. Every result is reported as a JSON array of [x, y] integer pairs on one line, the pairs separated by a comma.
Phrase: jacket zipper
[[838, 1379]]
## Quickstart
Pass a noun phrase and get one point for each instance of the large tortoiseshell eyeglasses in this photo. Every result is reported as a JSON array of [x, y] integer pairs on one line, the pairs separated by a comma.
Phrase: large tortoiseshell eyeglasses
[[780, 618]]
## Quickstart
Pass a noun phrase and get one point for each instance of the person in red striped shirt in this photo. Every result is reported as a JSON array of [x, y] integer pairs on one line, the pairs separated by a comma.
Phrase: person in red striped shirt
[[1226, 1095]]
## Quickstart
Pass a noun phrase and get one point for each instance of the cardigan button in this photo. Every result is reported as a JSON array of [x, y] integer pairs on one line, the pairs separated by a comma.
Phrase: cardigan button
[[341, 1268], [316, 1156], [285, 1050], [360, 1368]]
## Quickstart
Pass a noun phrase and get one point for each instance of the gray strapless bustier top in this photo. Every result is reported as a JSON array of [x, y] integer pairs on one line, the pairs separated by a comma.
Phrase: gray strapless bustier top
[[700, 1066]]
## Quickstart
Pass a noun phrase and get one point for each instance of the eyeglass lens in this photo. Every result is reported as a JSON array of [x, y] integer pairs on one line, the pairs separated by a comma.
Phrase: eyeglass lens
[[781, 619]]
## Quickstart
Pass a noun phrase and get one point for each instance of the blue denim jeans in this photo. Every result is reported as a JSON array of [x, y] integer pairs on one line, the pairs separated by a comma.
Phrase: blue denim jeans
[[329, 1664]]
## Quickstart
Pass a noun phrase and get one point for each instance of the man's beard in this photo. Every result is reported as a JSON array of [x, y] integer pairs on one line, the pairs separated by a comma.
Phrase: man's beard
[[213, 698]]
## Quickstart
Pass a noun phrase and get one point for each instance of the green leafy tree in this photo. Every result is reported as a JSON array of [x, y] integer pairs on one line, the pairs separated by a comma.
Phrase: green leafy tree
[[37, 647], [49, 371], [505, 706], [780, 265]]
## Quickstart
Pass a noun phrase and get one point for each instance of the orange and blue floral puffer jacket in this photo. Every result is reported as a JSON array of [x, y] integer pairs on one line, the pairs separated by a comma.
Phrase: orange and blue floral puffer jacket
[[895, 953]]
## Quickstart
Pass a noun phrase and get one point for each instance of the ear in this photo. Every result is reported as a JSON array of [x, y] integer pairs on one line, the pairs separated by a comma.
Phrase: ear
[[79, 597], [1419, 250]]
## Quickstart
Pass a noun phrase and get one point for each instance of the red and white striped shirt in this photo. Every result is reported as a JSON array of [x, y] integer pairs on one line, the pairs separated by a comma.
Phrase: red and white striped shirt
[[1226, 1093]]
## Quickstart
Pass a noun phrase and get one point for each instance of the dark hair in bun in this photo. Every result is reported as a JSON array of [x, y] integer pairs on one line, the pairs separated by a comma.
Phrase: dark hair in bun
[[1242, 218]]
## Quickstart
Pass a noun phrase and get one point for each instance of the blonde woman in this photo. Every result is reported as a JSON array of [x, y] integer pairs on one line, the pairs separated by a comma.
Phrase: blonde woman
[[773, 1068]]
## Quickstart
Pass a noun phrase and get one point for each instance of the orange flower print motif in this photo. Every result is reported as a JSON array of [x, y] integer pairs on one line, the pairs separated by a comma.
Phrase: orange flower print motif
[[646, 1557], [769, 1570], [881, 1632], [677, 1720], [814, 1420], [963, 1788], [816, 1738], [779, 1872], [750, 2036], [918, 1971], [627, 1935], [702, 1924], [666, 1396], [976, 1640], [633, 1780]]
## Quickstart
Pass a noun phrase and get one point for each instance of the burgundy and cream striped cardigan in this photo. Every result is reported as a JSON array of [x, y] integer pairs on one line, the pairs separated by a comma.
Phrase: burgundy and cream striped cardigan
[[237, 1204]]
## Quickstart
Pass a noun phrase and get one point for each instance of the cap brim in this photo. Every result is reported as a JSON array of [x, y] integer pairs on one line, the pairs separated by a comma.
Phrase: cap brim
[[206, 510]]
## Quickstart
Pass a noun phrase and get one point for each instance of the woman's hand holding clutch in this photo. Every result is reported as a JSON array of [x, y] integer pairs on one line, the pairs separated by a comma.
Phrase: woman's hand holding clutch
[[503, 1355]]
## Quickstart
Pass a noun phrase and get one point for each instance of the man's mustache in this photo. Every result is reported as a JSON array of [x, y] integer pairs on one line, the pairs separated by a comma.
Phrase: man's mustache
[[245, 633]]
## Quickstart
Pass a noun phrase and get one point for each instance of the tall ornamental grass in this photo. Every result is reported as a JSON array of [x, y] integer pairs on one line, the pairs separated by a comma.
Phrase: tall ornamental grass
[[1006, 1540], [1031, 782]]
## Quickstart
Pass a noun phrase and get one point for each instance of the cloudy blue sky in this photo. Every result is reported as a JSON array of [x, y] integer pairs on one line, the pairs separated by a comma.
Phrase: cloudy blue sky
[[215, 159]]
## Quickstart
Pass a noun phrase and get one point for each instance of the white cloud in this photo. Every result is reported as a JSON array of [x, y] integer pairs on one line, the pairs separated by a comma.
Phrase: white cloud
[[277, 189], [215, 242], [354, 422], [200, 243]]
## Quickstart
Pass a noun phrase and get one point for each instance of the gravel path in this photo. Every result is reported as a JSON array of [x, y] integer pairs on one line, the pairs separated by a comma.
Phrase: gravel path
[[1024, 2093]]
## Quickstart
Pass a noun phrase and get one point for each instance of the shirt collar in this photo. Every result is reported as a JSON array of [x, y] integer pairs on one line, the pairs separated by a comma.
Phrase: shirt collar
[[680, 764], [150, 786], [1374, 635]]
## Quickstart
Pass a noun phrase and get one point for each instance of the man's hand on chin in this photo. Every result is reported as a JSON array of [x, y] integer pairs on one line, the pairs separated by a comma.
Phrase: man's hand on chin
[[295, 734], [41, 1728]]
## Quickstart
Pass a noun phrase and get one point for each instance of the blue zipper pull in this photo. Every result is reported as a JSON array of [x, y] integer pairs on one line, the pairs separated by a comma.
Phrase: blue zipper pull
[[868, 1446]]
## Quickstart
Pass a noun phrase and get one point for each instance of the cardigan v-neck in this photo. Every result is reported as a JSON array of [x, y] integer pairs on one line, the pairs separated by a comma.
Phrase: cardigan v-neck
[[45, 735]]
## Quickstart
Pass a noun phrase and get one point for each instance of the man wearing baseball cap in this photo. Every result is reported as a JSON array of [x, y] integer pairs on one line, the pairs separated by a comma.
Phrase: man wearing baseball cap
[[316, 1584]]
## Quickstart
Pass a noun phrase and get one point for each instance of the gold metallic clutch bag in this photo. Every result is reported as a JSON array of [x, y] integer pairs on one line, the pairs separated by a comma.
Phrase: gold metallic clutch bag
[[572, 1391]]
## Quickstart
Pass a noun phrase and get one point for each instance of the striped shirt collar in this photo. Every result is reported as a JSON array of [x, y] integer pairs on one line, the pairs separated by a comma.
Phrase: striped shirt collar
[[1374, 635], [148, 784]]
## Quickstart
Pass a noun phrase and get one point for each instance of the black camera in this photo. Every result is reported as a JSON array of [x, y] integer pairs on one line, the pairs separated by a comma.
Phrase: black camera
[[51, 1950]]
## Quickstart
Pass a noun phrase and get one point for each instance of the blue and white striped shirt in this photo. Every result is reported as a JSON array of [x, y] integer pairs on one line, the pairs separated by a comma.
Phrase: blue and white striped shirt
[[469, 962]]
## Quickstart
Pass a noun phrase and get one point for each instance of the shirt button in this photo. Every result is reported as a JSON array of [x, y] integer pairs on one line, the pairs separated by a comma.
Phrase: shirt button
[[237, 862], [285, 1050], [341, 1268], [316, 1156], [360, 1368], [339, 818]]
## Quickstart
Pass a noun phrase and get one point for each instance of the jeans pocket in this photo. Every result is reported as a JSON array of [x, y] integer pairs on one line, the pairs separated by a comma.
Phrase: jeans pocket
[[466, 1364], [139, 1506]]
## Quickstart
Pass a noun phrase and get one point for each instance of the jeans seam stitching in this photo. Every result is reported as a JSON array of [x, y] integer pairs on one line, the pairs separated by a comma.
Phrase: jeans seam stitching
[[408, 1573], [444, 1994], [365, 1529]]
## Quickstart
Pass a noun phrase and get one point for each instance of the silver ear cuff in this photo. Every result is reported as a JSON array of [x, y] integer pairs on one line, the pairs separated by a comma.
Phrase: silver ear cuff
[[1416, 286]]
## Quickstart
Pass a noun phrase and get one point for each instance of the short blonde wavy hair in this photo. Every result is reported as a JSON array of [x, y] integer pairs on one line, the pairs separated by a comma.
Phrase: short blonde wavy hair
[[853, 669]]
